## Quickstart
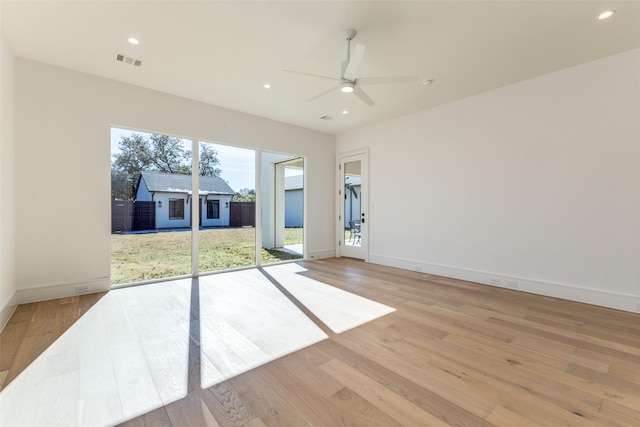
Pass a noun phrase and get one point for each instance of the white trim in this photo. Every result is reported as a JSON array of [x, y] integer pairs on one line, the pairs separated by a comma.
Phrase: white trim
[[195, 208], [326, 253], [62, 290], [257, 170], [8, 310], [305, 192], [616, 300]]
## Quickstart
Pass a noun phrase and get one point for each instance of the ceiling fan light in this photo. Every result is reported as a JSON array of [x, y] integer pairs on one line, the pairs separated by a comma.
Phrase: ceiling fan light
[[346, 87], [606, 14]]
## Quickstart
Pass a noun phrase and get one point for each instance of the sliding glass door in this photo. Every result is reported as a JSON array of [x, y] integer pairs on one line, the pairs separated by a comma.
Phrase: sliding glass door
[[162, 227]]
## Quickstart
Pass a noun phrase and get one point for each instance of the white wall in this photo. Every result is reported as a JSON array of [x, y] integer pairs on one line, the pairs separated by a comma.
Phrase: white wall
[[63, 120], [269, 203], [536, 183], [8, 284]]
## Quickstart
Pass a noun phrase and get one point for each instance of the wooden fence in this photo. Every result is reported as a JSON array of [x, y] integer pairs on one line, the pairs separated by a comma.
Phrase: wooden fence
[[242, 214], [127, 215]]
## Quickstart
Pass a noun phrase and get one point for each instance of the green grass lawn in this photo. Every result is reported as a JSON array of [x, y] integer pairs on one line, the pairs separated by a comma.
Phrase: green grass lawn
[[137, 257]]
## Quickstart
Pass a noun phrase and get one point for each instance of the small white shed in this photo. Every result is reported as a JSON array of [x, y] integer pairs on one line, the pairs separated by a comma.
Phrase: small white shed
[[173, 196]]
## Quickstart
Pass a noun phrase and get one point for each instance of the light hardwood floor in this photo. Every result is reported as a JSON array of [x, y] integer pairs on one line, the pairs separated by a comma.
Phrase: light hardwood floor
[[453, 353]]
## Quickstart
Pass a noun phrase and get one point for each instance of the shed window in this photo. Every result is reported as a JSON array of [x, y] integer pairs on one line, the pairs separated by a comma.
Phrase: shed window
[[213, 209], [176, 208]]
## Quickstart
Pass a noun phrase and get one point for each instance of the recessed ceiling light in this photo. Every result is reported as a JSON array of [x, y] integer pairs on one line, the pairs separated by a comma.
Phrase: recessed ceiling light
[[427, 82], [133, 40], [267, 86], [345, 112], [606, 14]]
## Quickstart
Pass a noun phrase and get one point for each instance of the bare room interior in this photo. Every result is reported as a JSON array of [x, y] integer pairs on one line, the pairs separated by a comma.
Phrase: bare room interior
[[404, 213]]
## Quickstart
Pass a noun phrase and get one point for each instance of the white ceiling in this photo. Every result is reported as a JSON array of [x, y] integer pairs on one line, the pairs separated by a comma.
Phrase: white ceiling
[[222, 53]]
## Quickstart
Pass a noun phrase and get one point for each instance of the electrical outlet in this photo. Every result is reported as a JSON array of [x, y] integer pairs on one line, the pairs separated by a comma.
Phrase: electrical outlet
[[512, 283], [494, 281], [82, 289], [418, 268]]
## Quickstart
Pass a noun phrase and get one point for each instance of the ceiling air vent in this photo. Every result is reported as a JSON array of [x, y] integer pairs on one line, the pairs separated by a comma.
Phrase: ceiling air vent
[[128, 60], [326, 118]]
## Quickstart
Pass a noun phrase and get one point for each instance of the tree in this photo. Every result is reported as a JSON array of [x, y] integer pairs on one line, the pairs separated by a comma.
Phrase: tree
[[208, 161], [245, 195], [155, 153], [121, 188], [167, 154]]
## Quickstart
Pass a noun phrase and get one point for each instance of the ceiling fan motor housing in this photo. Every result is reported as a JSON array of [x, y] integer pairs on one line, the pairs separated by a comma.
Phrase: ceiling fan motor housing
[[346, 86]]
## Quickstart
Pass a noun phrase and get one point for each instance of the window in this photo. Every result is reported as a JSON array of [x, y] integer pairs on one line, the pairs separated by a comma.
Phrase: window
[[176, 208], [213, 209]]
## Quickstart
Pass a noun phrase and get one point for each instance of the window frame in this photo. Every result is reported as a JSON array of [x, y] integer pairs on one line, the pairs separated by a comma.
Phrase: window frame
[[213, 203], [172, 202]]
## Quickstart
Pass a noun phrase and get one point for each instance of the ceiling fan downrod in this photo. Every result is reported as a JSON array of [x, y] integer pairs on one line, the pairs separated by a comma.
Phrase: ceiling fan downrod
[[351, 34]]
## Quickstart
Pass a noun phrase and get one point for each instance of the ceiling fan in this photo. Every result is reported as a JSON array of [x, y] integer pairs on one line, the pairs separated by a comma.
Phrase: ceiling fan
[[348, 82]]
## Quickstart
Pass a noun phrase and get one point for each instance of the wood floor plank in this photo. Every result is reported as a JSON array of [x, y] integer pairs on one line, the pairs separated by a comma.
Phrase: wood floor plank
[[304, 366], [155, 418], [318, 411], [523, 394], [28, 350], [191, 412], [13, 333], [227, 405], [394, 405], [273, 409], [361, 411], [504, 417], [441, 385], [425, 399]]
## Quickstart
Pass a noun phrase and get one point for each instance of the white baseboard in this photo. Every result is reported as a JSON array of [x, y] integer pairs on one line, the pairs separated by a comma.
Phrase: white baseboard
[[619, 301], [62, 290], [327, 253], [7, 311]]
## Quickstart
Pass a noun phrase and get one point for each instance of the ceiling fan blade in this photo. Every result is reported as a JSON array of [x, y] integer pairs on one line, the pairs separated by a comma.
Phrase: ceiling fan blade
[[363, 96], [324, 93], [386, 80], [310, 75], [354, 63]]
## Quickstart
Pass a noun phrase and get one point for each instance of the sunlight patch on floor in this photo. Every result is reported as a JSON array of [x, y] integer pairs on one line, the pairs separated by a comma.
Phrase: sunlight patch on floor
[[239, 334], [339, 310], [135, 349]]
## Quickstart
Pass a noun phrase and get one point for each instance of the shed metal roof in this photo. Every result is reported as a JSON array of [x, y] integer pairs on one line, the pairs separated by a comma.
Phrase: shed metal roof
[[176, 183]]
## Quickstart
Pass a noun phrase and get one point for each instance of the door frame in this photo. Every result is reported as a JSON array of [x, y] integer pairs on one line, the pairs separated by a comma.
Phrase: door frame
[[363, 153]]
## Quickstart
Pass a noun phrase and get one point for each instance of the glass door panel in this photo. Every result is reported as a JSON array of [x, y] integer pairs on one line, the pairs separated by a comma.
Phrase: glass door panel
[[227, 227], [353, 221], [150, 206]]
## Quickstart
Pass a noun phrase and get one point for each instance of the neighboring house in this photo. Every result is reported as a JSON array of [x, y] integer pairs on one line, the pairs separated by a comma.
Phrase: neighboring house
[[173, 196], [293, 201], [352, 199]]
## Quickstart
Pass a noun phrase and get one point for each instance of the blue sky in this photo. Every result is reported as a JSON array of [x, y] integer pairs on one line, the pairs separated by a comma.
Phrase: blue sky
[[237, 164]]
